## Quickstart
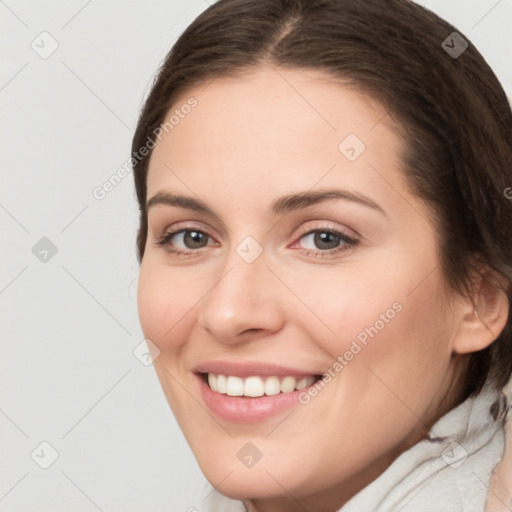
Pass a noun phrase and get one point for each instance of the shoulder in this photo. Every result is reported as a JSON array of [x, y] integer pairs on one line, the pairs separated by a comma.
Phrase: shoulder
[[500, 490]]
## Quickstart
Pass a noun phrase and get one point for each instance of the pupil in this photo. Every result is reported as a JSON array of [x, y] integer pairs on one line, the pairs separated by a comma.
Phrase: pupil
[[326, 238], [194, 239]]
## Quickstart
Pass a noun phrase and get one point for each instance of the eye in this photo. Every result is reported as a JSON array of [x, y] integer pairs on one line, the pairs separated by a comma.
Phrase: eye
[[184, 242], [318, 242], [325, 241], [192, 239]]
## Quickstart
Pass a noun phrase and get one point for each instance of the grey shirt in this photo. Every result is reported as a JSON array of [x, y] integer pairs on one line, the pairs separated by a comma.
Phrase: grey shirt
[[447, 471]]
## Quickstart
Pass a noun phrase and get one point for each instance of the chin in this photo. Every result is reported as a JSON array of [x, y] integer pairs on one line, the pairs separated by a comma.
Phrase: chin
[[249, 486], [265, 480]]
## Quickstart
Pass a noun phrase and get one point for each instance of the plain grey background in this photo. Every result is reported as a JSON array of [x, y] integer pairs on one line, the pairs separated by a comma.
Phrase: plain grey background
[[72, 80]]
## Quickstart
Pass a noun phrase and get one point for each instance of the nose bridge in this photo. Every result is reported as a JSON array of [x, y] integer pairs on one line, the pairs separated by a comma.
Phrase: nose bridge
[[242, 296], [240, 284]]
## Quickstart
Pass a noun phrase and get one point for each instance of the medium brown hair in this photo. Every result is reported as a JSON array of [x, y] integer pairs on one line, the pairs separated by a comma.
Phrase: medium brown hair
[[453, 115]]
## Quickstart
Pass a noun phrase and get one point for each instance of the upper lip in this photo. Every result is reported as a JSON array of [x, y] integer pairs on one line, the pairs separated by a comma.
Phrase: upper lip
[[248, 369]]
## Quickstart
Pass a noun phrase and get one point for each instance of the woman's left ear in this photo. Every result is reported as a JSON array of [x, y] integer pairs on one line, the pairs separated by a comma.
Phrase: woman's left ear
[[483, 315]]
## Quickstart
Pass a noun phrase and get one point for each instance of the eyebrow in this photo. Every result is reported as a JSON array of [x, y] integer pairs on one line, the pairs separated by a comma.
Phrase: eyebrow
[[282, 205]]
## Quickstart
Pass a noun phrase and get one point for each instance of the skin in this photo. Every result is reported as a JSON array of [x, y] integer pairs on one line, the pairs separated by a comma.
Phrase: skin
[[249, 141]]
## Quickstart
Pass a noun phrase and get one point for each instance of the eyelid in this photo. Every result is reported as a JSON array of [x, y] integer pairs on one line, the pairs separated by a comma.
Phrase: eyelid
[[186, 225], [328, 226], [167, 234], [178, 228]]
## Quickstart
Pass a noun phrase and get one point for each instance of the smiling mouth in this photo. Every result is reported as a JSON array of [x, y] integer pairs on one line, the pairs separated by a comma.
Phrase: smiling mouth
[[255, 386]]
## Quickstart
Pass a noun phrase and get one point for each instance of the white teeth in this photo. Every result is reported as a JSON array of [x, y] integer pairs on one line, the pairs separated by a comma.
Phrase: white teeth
[[272, 386], [221, 384], [257, 386], [304, 383], [234, 386], [288, 384], [254, 386]]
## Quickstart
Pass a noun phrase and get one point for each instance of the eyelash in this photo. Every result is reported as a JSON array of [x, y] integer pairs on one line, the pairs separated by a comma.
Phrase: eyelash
[[348, 242]]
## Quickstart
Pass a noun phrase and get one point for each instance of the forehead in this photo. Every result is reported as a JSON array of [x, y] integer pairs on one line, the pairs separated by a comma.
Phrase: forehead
[[273, 126], [265, 100]]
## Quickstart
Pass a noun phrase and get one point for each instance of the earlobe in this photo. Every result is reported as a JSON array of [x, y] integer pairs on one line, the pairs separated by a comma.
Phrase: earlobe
[[483, 316]]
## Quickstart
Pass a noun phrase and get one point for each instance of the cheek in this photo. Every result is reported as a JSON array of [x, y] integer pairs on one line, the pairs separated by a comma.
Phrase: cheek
[[380, 322], [406, 359], [355, 305], [164, 304]]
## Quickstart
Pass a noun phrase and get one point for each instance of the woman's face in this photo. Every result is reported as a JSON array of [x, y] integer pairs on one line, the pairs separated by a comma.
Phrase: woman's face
[[298, 252]]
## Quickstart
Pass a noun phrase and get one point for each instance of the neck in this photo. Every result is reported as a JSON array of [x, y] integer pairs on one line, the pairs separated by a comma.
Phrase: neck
[[449, 395]]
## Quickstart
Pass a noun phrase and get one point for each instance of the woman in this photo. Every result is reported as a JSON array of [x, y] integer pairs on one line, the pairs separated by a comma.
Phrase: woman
[[325, 255]]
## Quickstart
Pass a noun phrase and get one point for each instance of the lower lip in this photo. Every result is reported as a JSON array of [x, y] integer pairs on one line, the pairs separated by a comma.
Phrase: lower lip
[[246, 409]]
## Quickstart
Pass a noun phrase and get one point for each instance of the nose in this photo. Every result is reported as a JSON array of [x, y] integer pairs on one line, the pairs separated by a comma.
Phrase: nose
[[243, 303]]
